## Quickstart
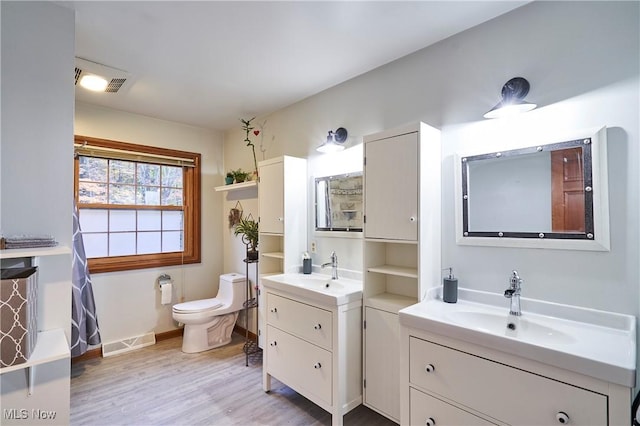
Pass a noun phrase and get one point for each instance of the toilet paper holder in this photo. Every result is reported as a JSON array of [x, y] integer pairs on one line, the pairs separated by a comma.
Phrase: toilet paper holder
[[164, 279]]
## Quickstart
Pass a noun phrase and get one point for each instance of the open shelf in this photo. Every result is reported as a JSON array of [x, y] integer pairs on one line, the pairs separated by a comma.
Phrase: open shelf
[[389, 302], [399, 271], [51, 346], [274, 255], [236, 186], [34, 252]]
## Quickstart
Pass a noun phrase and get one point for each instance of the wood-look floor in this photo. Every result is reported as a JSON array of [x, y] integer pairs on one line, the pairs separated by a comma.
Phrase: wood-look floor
[[161, 385]]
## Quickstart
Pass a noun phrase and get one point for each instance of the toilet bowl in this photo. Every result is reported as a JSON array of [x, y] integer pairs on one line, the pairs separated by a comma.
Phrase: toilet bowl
[[208, 323]]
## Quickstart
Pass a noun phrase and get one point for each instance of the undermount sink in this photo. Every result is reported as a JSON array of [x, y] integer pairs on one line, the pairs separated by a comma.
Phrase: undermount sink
[[595, 343], [317, 287]]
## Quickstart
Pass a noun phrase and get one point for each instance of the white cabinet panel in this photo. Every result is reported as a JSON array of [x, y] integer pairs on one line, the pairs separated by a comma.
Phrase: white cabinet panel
[[391, 188], [306, 321], [382, 374], [271, 197], [301, 365]]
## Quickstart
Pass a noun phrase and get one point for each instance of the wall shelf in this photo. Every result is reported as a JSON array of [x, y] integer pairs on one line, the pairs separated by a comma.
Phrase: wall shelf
[[34, 252], [51, 346], [237, 186]]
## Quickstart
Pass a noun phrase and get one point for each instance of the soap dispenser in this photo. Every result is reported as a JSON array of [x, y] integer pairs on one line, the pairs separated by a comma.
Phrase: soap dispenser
[[450, 288]]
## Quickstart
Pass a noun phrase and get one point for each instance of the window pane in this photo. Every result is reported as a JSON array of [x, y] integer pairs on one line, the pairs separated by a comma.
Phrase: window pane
[[171, 197], [89, 192], [148, 242], [121, 171], [94, 220], [122, 244], [171, 241], [95, 245], [149, 220], [148, 174], [92, 169], [172, 176], [148, 196], [122, 194], [122, 220], [171, 221]]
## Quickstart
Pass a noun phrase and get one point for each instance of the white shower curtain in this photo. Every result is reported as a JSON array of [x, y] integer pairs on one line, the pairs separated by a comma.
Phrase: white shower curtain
[[84, 323]]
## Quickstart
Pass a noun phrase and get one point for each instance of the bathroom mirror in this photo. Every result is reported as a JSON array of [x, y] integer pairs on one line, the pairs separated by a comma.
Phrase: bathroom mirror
[[552, 195], [338, 203]]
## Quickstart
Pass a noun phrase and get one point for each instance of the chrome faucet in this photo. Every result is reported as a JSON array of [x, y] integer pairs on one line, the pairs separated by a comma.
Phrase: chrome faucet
[[334, 265], [513, 293]]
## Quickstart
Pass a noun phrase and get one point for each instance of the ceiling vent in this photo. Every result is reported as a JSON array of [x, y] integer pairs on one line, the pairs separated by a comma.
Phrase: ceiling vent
[[116, 79]]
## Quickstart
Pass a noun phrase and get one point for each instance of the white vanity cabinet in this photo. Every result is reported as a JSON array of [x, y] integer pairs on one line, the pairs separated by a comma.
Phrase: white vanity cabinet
[[451, 382], [402, 179], [282, 204], [315, 349]]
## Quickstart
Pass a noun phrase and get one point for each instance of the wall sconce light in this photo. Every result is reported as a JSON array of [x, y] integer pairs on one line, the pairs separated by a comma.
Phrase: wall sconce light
[[513, 93], [335, 141]]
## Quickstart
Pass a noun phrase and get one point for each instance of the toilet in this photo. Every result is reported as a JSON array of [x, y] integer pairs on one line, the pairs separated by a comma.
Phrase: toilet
[[208, 323]]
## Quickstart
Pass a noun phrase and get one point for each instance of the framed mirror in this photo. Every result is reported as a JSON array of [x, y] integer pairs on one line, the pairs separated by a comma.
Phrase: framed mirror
[[551, 195], [338, 203]]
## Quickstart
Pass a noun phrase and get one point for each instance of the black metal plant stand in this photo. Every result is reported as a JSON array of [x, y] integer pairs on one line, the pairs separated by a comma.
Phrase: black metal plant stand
[[250, 347]]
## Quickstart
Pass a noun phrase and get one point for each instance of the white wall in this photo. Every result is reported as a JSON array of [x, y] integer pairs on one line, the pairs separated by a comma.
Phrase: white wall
[[128, 303], [37, 141], [582, 60]]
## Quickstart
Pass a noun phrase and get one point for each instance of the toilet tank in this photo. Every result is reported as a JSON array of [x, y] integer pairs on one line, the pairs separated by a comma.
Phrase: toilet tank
[[231, 288]]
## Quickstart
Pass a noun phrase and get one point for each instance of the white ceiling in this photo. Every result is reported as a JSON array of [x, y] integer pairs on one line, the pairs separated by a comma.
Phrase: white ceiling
[[210, 63]]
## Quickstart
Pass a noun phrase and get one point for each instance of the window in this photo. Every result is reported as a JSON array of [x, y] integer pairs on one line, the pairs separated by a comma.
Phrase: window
[[139, 206]]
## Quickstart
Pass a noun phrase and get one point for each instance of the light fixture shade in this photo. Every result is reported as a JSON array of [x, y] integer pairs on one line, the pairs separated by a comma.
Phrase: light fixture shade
[[513, 102], [334, 142], [94, 82]]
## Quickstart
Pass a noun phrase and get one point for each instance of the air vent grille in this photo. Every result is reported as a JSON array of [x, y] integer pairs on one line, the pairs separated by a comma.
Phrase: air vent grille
[[115, 84], [78, 74]]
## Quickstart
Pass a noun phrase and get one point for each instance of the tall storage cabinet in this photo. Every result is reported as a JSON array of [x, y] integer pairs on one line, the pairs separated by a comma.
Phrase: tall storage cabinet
[[402, 190], [282, 202]]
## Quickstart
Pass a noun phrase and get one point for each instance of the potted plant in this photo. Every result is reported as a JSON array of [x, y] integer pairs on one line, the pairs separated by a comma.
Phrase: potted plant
[[229, 178], [248, 228], [240, 175]]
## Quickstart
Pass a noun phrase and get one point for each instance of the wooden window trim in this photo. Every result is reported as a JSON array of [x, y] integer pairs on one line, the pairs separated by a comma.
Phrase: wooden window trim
[[192, 213]]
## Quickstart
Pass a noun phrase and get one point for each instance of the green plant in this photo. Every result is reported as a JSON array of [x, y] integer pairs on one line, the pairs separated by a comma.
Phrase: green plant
[[230, 175], [240, 175], [248, 228]]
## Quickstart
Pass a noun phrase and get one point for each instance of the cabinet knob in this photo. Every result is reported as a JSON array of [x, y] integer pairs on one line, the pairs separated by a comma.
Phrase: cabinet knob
[[317, 365], [562, 417], [280, 219], [430, 422], [274, 343], [274, 310], [317, 326], [412, 219], [429, 368]]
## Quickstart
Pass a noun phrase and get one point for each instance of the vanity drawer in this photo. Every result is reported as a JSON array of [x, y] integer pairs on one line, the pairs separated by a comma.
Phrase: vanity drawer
[[301, 365], [512, 395], [306, 321], [427, 410]]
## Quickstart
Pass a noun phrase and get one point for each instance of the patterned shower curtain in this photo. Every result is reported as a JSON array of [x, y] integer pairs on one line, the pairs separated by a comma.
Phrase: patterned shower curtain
[[84, 323]]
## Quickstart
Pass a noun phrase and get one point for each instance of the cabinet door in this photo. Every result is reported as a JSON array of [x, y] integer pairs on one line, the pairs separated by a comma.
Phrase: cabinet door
[[391, 188], [271, 198], [381, 362]]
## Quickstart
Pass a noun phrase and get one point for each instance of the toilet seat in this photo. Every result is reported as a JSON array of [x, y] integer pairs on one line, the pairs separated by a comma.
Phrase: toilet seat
[[197, 306]]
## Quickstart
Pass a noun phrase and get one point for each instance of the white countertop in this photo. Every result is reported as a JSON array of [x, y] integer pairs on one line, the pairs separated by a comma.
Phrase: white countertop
[[594, 343]]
